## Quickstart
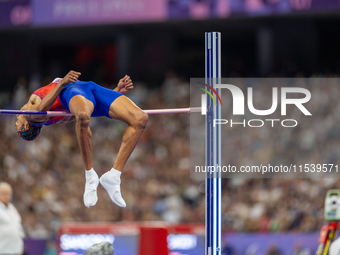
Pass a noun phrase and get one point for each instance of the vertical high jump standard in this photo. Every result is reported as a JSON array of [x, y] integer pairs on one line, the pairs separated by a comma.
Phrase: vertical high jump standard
[[213, 145]]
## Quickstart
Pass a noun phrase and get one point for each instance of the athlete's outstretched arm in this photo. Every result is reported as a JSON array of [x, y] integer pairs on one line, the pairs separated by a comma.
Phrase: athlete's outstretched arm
[[35, 103]]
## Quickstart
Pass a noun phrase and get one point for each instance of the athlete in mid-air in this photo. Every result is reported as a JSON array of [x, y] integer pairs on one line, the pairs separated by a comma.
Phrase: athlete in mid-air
[[86, 100]]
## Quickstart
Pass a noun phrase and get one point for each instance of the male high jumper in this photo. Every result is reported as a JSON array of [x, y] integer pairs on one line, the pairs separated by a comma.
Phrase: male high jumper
[[85, 100]]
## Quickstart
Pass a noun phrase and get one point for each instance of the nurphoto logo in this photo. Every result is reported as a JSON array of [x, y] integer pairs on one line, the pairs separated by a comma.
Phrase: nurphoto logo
[[238, 107]]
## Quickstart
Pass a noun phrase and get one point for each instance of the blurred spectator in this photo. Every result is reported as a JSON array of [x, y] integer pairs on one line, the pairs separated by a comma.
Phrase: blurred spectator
[[20, 94], [227, 249], [273, 250], [299, 250], [11, 232], [50, 248]]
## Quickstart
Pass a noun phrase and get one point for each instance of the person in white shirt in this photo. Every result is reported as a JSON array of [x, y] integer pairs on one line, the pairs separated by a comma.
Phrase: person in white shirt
[[334, 249], [11, 231]]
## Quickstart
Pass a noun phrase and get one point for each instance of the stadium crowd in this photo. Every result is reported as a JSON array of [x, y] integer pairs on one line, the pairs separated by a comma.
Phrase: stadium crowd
[[47, 175]]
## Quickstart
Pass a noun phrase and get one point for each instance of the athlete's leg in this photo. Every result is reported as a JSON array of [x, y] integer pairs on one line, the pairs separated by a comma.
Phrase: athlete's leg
[[82, 108], [125, 110], [117, 106]]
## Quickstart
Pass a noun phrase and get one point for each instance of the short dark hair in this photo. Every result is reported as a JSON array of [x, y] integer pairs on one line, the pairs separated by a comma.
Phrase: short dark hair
[[104, 248], [30, 134]]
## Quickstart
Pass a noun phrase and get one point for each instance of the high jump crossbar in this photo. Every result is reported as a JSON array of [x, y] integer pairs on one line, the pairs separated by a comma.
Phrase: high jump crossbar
[[59, 113], [213, 145]]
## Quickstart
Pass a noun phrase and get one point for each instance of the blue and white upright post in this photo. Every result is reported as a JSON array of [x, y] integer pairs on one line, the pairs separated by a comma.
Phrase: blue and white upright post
[[213, 145]]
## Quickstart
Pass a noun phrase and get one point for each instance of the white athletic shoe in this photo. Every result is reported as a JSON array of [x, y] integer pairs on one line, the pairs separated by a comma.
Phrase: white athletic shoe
[[90, 194], [111, 183]]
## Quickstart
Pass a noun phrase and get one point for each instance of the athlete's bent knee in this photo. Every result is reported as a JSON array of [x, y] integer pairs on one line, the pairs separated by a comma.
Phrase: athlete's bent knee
[[140, 120], [83, 118]]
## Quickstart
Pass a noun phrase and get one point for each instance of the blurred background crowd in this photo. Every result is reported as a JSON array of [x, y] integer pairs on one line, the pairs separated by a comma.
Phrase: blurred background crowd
[[48, 178]]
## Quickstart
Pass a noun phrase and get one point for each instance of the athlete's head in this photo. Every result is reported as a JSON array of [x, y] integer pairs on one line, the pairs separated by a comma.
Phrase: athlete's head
[[26, 130]]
